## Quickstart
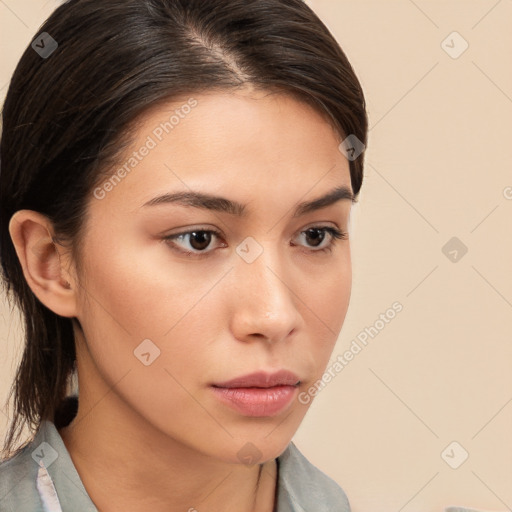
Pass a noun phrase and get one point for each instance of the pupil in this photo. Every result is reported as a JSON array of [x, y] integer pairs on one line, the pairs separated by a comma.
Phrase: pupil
[[317, 232], [202, 237]]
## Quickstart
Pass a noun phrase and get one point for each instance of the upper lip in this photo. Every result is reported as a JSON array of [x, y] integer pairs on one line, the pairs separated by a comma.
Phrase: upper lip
[[261, 380]]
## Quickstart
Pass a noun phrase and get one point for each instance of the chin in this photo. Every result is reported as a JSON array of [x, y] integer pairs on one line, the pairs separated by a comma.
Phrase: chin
[[249, 450]]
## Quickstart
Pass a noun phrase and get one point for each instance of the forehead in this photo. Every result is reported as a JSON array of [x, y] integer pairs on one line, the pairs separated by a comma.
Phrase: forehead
[[253, 143]]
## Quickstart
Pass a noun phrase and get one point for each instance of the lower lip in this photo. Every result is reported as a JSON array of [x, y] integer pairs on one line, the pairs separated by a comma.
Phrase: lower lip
[[257, 401]]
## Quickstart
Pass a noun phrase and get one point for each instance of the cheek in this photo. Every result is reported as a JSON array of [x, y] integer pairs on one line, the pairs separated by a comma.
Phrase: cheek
[[139, 289], [329, 302], [149, 338], [134, 295], [328, 293]]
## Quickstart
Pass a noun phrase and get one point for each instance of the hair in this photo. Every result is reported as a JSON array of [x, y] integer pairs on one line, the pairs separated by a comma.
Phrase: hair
[[67, 117]]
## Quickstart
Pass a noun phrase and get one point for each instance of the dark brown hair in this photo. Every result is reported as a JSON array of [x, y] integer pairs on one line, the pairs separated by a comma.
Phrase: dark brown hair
[[68, 115]]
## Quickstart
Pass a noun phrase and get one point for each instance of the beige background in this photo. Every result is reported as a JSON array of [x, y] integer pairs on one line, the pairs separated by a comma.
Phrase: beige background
[[438, 166]]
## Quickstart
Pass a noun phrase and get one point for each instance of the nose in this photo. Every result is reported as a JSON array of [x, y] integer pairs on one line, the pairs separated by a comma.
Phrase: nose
[[264, 305]]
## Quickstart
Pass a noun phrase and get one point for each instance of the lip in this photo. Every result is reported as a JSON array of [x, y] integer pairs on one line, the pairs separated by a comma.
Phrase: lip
[[258, 394], [261, 380]]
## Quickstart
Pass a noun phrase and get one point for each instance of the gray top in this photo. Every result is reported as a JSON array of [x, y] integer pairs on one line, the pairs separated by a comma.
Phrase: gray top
[[42, 478], [462, 509]]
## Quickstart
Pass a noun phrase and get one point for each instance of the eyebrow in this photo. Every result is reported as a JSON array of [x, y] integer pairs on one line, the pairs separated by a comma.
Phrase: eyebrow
[[224, 205]]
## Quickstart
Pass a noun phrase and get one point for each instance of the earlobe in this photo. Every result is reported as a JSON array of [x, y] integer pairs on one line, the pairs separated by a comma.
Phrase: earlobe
[[42, 263]]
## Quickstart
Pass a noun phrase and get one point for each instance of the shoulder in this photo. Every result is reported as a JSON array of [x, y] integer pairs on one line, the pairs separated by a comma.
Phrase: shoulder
[[302, 487], [17, 476]]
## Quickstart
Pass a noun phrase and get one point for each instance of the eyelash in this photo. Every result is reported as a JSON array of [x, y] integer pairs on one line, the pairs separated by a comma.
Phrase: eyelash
[[335, 233]]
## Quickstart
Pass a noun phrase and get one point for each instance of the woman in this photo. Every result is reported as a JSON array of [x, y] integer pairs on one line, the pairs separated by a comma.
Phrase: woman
[[177, 180]]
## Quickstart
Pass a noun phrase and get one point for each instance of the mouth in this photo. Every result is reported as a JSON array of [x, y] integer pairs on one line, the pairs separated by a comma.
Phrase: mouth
[[258, 394]]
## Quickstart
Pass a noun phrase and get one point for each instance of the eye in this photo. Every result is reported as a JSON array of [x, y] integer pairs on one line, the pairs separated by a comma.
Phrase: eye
[[316, 236], [197, 240]]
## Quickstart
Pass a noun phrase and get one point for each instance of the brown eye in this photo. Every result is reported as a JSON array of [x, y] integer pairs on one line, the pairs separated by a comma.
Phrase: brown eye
[[194, 242], [315, 235], [200, 240]]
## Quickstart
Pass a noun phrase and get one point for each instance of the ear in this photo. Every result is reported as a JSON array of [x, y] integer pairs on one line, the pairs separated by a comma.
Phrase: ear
[[43, 262]]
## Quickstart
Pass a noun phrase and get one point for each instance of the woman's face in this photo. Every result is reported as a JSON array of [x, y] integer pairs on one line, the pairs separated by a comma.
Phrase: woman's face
[[229, 292]]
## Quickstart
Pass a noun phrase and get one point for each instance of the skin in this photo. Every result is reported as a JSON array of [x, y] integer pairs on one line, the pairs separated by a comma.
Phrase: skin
[[155, 437]]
